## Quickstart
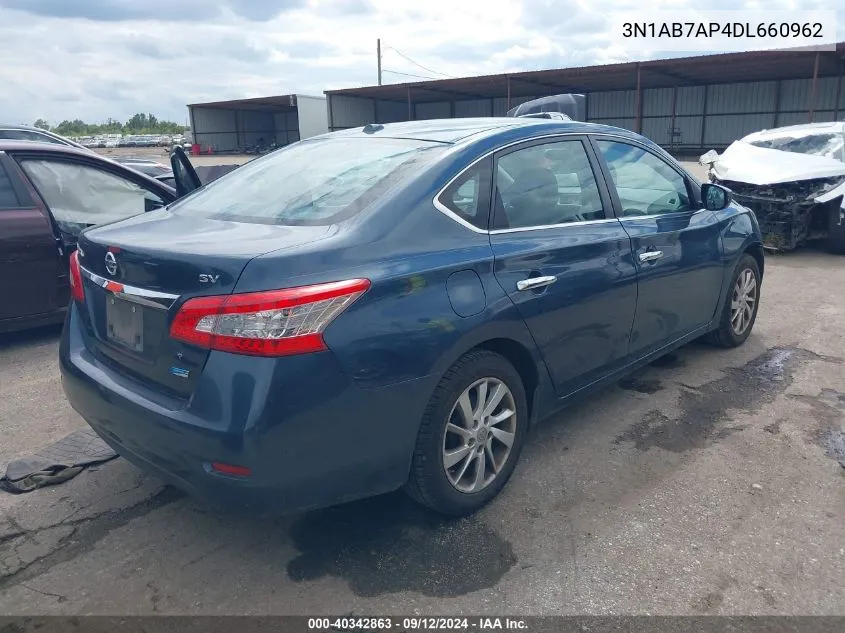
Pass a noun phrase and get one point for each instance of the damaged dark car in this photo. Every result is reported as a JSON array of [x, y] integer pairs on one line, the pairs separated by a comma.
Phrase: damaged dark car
[[793, 178]]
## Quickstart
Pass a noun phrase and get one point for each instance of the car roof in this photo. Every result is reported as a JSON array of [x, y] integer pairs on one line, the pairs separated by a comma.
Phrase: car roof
[[456, 130], [18, 126], [8, 145]]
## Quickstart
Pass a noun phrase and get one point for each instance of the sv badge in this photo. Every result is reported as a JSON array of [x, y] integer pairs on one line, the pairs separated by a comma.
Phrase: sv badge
[[209, 279]]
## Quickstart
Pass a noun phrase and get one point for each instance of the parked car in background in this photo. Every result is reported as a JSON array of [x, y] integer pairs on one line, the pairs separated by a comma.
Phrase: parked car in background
[[146, 166], [793, 178], [152, 168], [48, 194], [393, 306], [26, 133]]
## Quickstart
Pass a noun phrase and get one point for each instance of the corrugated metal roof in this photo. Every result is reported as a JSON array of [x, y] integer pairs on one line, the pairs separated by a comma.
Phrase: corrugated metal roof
[[276, 103], [659, 73]]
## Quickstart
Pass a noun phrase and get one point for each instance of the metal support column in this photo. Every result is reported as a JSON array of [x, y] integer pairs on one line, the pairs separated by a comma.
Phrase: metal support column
[[838, 90], [704, 115], [777, 102], [639, 102], [672, 126], [410, 107], [815, 86], [509, 95]]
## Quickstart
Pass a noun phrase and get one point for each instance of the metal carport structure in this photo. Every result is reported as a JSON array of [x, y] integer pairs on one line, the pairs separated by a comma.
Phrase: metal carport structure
[[229, 126], [684, 104]]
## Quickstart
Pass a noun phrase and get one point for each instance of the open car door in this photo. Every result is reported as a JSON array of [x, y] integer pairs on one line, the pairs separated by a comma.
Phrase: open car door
[[184, 174]]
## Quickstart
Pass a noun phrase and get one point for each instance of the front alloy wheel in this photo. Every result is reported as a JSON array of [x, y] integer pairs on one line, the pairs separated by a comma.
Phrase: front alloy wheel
[[743, 301], [740, 309]]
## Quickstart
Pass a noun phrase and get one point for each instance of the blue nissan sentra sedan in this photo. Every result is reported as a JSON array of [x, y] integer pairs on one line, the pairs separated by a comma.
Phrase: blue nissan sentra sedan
[[394, 306]]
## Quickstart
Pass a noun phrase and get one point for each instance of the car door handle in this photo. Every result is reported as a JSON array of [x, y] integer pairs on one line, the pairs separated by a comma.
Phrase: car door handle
[[535, 282], [650, 256]]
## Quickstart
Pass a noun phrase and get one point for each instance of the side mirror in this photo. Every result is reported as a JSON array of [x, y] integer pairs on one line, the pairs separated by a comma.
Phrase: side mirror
[[184, 175], [708, 158], [715, 197]]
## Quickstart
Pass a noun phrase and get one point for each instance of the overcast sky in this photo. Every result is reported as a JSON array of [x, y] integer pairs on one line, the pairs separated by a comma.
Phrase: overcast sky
[[94, 59]]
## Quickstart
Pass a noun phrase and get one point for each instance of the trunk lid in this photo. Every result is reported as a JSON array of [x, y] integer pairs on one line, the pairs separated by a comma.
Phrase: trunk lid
[[138, 272]]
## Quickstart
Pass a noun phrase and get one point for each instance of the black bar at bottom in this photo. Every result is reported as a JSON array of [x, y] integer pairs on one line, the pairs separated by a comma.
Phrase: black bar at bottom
[[410, 624]]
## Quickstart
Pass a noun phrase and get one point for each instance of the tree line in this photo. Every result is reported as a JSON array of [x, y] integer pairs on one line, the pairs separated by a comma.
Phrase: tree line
[[138, 124]]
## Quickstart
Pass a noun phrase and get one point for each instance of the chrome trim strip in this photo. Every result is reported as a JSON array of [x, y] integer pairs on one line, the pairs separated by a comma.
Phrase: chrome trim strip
[[553, 226], [632, 218], [452, 215], [151, 298]]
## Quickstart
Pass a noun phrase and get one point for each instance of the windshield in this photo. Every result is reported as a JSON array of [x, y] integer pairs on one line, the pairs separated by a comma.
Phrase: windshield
[[314, 182], [826, 145]]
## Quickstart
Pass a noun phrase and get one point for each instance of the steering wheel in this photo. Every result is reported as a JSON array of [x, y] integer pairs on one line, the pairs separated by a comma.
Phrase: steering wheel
[[668, 203]]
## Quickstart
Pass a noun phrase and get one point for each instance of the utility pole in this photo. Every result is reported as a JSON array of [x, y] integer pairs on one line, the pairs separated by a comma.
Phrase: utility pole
[[378, 53]]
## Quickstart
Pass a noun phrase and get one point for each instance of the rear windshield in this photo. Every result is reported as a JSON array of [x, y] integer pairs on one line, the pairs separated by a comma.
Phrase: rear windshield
[[314, 182]]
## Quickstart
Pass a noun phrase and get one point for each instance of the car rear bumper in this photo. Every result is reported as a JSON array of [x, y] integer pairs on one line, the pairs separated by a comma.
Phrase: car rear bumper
[[306, 448]]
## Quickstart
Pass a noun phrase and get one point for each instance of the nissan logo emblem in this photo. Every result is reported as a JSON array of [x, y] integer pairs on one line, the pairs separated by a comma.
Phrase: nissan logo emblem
[[111, 264]]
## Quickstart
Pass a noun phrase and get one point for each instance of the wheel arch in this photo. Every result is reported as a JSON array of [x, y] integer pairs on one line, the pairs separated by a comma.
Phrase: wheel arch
[[518, 356], [756, 251]]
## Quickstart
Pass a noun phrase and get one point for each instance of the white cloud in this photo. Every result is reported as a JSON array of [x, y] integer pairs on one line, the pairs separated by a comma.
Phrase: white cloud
[[87, 60]]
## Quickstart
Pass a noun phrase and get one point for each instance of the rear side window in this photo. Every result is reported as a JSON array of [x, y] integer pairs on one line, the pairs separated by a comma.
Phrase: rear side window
[[468, 196], [8, 198], [315, 182], [546, 185]]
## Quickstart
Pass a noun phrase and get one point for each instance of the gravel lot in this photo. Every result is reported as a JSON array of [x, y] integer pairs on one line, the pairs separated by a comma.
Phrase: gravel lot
[[160, 154], [707, 484]]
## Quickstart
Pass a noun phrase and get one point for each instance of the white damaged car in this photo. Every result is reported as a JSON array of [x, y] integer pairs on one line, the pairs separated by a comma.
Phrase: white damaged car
[[793, 178]]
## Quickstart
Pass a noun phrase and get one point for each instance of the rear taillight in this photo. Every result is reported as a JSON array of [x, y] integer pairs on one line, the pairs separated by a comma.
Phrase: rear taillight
[[76, 289], [271, 323]]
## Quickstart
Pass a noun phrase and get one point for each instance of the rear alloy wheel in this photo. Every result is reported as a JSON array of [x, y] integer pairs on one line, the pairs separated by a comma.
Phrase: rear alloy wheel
[[479, 435], [740, 310], [471, 435]]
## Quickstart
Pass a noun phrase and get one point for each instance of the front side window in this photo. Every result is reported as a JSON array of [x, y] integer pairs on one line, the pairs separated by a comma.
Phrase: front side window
[[646, 184], [544, 185], [316, 182], [80, 195]]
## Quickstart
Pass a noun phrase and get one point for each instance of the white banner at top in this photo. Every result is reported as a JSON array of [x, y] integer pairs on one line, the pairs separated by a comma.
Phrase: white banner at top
[[692, 30]]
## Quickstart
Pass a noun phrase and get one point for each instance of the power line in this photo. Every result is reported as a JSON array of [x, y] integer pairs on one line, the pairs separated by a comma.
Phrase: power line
[[396, 72], [401, 54]]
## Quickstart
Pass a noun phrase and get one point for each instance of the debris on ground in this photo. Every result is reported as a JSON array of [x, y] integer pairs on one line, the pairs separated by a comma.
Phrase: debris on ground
[[56, 463]]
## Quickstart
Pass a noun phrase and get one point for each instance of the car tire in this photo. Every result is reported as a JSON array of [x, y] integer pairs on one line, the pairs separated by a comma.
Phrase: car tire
[[733, 330], [460, 489]]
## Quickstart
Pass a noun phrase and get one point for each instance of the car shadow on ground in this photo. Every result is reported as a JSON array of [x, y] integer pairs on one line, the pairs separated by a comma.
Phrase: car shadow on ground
[[389, 544], [35, 336]]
